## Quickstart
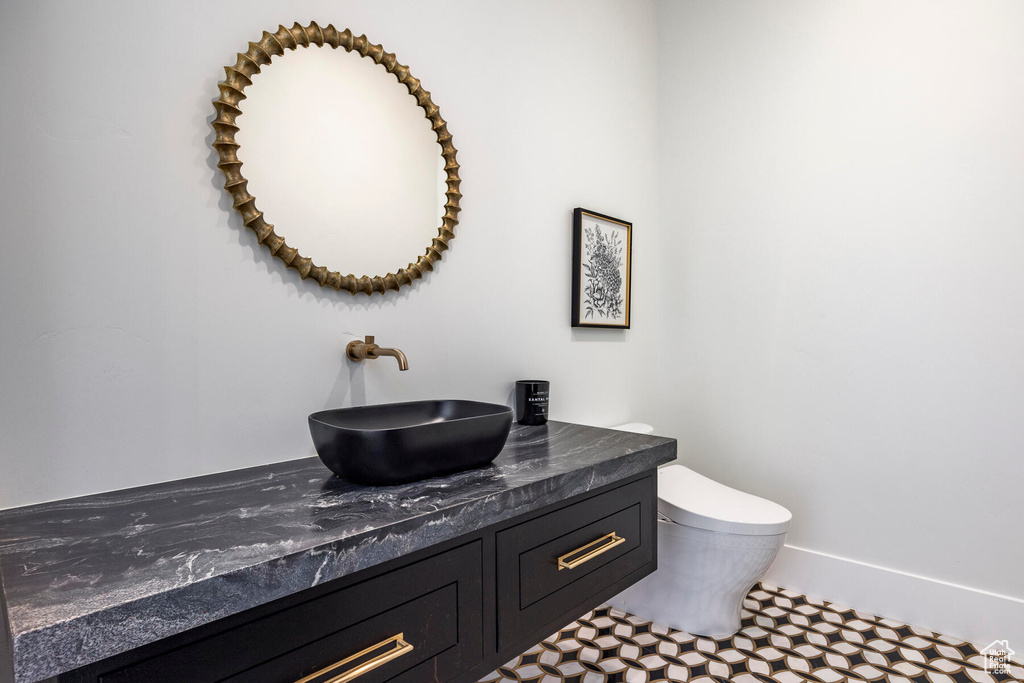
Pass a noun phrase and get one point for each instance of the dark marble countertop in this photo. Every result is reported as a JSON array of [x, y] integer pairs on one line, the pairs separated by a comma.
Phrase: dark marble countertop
[[87, 578]]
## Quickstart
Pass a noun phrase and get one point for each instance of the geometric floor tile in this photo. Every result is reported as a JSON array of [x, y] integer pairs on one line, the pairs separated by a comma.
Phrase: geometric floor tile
[[785, 638]]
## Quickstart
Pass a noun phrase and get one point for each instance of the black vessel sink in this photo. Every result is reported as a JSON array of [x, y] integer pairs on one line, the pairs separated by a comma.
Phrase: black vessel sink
[[395, 443]]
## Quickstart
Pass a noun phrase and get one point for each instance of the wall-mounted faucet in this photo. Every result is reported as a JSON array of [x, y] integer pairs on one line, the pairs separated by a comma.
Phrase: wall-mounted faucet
[[367, 350]]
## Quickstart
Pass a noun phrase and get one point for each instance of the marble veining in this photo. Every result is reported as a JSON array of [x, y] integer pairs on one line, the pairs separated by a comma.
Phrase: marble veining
[[87, 578]]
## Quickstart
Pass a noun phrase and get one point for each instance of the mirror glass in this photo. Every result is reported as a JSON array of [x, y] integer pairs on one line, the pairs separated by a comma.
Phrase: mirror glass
[[342, 161]]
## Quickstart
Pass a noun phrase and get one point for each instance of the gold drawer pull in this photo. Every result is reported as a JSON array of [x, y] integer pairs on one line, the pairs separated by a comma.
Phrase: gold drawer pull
[[610, 541], [401, 647]]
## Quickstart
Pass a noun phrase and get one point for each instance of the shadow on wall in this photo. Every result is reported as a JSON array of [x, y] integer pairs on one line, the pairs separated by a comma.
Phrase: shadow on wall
[[350, 383], [583, 334]]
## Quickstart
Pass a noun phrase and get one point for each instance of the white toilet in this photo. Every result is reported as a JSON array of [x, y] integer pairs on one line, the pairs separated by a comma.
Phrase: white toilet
[[714, 543]]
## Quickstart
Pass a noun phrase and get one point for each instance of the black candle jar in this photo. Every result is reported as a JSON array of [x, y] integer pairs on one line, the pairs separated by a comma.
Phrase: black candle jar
[[532, 401]]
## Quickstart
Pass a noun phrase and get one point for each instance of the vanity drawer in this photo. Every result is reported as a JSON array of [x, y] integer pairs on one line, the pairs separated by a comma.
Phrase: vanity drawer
[[386, 646], [552, 564], [423, 617]]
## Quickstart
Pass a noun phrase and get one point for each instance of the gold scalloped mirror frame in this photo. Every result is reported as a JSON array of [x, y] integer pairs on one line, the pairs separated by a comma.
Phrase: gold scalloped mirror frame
[[225, 126]]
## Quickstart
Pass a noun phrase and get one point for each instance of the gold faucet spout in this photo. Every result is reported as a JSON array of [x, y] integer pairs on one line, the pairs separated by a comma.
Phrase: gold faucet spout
[[368, 350], [403, 364]]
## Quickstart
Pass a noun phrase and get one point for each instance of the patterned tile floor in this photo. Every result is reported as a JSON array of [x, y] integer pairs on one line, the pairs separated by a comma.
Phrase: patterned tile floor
[[785, 638]]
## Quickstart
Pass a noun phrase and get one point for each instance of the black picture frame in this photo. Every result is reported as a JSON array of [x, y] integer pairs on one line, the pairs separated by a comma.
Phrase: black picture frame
[[602, 250]]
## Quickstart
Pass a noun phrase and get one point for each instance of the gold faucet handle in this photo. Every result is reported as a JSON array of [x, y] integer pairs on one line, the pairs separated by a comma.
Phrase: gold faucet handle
[[361, 350]]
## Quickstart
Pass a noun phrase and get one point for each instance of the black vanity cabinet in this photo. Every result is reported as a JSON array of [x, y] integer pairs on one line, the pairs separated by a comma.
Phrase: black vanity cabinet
[[449, 612], [284, 573]]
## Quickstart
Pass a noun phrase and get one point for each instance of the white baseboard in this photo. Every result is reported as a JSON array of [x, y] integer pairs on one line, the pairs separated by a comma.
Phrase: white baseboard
[[976, 616]]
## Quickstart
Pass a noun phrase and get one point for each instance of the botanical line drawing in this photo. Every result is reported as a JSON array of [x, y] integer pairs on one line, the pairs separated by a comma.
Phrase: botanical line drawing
[[603, 270]]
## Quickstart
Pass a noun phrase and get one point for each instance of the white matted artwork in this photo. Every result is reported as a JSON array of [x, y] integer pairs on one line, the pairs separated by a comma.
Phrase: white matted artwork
[[601, 251]]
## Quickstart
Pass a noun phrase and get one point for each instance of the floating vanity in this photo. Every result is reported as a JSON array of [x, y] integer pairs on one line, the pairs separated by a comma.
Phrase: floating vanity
[[286, 573]]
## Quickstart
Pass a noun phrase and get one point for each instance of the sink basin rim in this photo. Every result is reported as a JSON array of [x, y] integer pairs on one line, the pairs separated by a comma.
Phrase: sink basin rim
[[498, 409]]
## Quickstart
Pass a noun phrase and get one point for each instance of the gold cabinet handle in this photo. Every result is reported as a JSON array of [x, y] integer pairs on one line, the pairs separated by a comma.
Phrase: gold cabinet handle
[[609, 541], [399, 649]]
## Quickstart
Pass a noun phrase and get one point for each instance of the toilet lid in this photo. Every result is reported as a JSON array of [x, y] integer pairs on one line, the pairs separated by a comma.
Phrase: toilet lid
[[635, 427], [693, 500]]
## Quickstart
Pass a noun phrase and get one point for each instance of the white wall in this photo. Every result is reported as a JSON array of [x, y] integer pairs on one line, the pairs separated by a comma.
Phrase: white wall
[[843, 217], [146, 336]]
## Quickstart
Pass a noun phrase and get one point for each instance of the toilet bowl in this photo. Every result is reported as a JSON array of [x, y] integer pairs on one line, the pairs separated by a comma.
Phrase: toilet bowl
[[714, 543]]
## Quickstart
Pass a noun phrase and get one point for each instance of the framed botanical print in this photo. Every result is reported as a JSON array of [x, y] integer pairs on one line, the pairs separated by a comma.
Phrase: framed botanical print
[[601, 251]]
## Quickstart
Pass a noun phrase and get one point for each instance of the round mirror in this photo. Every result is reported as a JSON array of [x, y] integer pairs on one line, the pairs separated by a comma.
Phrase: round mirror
[[379, 203]]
